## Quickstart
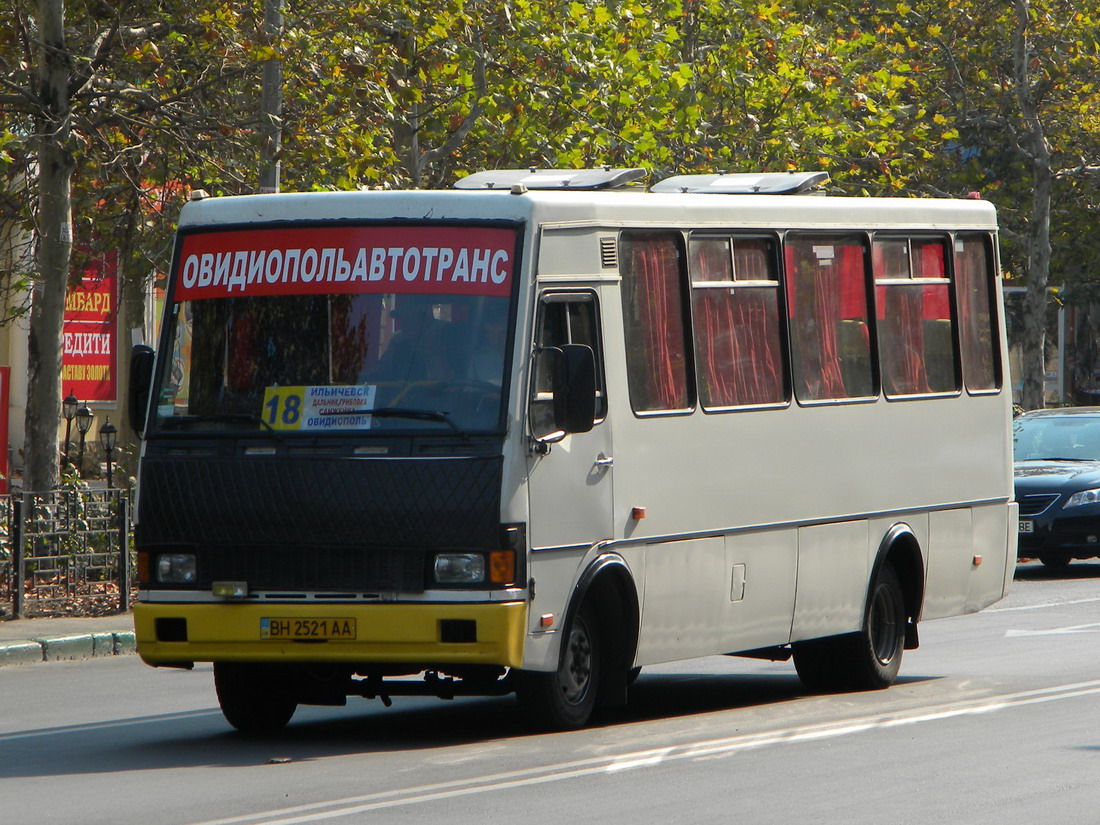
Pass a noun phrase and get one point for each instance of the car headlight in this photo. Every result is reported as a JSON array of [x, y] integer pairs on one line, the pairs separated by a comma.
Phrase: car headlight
[[1083, 497], [177, 568], [459, 568]]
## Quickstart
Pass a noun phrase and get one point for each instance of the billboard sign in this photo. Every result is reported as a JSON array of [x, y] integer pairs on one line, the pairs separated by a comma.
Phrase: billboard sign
[[89, 361]]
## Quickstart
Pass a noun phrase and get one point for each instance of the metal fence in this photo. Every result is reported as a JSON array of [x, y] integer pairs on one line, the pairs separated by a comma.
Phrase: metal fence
[[65, 552]]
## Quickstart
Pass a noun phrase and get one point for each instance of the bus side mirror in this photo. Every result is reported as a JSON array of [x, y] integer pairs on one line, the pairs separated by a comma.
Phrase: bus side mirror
[[141, 379], [574, 388]]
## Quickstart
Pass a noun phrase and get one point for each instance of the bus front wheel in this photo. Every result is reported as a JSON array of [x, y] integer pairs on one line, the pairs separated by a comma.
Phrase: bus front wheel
[[565, 698], [867, 660], [253, 698]]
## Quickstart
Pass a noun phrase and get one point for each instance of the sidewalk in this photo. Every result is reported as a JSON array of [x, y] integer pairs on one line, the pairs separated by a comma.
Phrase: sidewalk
[[28, 641]]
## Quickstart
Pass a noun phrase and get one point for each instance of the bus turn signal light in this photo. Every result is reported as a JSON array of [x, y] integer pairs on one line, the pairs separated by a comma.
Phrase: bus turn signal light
[[502, 567]]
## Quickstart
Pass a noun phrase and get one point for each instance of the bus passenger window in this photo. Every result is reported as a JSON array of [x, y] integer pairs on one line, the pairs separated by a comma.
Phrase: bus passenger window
[[653, 318], [975, 291], [915, 331], [735, 310], [827, 303], [563, 318]]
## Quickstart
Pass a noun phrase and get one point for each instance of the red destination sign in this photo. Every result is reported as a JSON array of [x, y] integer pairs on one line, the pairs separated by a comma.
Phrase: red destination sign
[[346, 259]]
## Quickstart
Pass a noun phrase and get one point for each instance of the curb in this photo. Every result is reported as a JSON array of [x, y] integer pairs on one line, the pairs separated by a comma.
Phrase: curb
[[66, 648]]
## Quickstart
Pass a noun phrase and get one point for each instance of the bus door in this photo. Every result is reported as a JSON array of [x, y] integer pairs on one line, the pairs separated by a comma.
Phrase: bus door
[[570, 478]]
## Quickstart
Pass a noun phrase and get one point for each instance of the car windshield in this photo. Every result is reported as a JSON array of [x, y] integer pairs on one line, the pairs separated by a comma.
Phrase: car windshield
[[397, 343], [1062, 438]]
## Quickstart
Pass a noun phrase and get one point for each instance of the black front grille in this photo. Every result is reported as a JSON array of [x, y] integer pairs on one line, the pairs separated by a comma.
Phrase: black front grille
[[292, 524], [1033, 505], [314, 567]]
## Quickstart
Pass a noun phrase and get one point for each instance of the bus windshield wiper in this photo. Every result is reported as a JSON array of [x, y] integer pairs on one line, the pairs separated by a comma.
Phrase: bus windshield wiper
[[406, 412], [228, 418]]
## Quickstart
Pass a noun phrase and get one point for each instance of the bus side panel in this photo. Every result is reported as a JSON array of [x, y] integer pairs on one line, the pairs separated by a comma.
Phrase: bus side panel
[[833, 570], [685, 589], [759, 602], [967, 560], [555, 575], [950, 560], [987, 580]]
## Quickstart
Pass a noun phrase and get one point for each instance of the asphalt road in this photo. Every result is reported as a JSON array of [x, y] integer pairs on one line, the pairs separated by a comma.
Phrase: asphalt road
[[995, 719]]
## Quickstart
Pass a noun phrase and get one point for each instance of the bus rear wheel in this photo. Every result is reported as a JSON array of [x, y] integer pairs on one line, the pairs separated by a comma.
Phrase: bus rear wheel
[[565, 698], [867, 660], [253, 697]]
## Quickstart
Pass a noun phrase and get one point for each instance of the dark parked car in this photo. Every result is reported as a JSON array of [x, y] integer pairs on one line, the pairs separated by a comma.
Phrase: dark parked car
[[1057, 460]]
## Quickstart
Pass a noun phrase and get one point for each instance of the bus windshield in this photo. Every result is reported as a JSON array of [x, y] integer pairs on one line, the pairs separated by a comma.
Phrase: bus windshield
[[338, 355]]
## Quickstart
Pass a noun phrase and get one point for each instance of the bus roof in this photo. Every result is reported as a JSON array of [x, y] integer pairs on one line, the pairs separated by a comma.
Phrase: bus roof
[[623, 207]]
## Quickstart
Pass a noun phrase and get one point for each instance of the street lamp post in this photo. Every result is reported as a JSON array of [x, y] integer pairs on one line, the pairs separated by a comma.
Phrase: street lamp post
[[68, 409], [83, 423], [107, 435]]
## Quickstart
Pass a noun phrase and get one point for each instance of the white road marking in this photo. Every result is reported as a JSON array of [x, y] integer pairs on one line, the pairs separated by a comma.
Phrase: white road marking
[[1056, 631], [1042, 606], [638, 760]]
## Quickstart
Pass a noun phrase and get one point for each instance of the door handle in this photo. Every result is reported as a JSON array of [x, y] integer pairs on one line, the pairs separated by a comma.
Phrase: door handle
[[604, 460]]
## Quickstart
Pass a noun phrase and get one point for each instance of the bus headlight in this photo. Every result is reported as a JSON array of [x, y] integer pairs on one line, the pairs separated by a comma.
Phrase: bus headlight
[[177, 568], [459, 568]]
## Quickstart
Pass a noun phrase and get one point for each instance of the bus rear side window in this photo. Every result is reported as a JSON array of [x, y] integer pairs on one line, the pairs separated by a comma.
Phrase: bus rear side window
[[974, 285], [827, 302], [915, 333], [653, 317]]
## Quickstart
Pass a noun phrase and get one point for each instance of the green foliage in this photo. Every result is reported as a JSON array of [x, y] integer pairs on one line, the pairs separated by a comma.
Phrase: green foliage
[[889, 99], [903, 97], [675, 86]]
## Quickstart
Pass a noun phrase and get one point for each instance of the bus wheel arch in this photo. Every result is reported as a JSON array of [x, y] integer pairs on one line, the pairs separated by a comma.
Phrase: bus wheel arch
[[608, 587], [599, 640], [900, 549], [870, 658]]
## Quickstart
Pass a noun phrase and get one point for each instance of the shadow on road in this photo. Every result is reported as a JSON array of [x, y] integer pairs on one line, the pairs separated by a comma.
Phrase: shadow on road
[[1037, 571], [202, 738]]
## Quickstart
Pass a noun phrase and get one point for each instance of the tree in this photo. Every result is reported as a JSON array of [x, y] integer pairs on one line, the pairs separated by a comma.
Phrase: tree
[[1020, 83], [113, 107]]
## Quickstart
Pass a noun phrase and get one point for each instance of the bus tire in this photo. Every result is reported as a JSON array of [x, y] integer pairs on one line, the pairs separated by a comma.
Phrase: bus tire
[[565, 698], [252, 697], [867, 660]]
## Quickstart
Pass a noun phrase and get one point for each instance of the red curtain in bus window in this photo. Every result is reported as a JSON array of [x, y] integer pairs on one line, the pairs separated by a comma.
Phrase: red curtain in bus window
[[900, 318], [901, 339], [930, 261], [737, 328], [973, 275], [241, 363], [828, 305], [654, 322]]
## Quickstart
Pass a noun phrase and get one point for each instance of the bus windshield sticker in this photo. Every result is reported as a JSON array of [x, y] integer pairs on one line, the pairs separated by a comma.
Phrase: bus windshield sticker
[[319, 408], [449, 260]]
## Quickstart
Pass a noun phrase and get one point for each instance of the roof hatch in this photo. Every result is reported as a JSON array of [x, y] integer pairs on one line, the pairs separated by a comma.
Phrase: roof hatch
[[745, 183], [573, 179]]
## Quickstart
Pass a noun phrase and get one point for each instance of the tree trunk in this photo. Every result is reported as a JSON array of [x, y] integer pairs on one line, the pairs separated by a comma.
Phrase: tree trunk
[[1038, 233], [271, 103], [55, 240], [1032, 396]]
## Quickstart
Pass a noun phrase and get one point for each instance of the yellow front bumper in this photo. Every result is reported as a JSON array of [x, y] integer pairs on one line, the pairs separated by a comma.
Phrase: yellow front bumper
[[406, 634]]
